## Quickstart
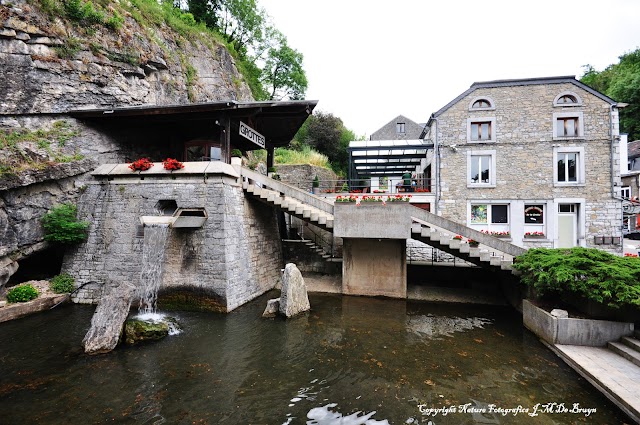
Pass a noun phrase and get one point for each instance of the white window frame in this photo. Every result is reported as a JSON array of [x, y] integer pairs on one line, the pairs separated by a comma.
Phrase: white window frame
[[489, 225], [401, 128], [580, 168], [578, 115], [492, 169], [625, 192], [491, 106], [491, 120], [564, 105]]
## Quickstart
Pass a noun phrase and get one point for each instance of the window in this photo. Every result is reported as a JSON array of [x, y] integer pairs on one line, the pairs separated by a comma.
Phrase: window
[[481, 129], [625, 192], [567, 125], [202, 151], [481, 103], [400, 127], [534, 214], [568, 166], [481, 166], [489, 213], [567, 98]]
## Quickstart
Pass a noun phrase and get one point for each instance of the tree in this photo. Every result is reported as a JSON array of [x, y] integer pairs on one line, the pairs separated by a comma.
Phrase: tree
[[621, 82], [205, 11], [283, 76]]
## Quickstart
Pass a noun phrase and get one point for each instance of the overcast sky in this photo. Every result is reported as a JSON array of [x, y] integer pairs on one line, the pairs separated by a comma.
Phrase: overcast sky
[[370, 61]]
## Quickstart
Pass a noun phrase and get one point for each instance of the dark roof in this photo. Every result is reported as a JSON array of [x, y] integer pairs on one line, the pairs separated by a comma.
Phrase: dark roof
[[633, 149], [278, 122], [519, 82]]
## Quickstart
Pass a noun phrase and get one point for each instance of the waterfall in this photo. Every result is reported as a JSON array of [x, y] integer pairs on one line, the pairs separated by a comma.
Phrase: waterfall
[[155, 241]]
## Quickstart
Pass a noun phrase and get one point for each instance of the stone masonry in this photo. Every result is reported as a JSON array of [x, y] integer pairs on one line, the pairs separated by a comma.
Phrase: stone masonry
[[233, 258], [523, 145]]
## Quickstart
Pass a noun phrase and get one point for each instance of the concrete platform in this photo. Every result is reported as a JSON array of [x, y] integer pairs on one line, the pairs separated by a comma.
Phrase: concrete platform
[[617, 378]]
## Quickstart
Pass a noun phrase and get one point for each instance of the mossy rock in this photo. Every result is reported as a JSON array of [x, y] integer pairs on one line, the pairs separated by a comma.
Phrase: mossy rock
[[137, 330]]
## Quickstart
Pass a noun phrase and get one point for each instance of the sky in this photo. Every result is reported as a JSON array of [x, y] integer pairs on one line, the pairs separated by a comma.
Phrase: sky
[[369, 61]]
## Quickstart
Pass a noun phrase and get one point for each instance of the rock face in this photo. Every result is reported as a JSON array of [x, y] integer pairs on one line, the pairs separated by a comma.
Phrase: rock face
[[293, 298], [139, 330], [108, 68], [106, 323]]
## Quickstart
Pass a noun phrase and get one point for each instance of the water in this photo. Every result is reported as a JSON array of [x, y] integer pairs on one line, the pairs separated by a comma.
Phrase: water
[[350, 361], [155, 241]]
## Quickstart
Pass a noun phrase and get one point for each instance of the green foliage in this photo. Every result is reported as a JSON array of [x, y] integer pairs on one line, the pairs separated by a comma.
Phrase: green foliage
[[305, 156], [62, 283], [316, 181], [61, 225], [83, 13], [69, 49], [22, 293], [621, 82], [115, 22], [588, 272], [237, 153]]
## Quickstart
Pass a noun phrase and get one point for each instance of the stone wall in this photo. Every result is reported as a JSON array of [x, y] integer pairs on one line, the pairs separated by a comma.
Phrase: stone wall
[[302, 176], [523, 147], [389, 131], [110, 68], [233, 258]]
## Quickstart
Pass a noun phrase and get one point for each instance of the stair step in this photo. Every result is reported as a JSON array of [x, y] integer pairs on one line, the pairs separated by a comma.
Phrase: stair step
[[245, 185], [625, 351], [306, 212], [416, 228], [432, 234], [464, 248], [329, 223], [322, 219], [445, 239], [299, 209], [630, 342], [495, 260], [315, 215], [485, 256], [506, 265], [474, 252], [455, 244]]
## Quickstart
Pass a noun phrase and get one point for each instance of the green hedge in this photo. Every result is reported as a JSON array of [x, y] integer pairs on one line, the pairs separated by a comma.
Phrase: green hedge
[[61, 225], [62, 283], [588, 272]]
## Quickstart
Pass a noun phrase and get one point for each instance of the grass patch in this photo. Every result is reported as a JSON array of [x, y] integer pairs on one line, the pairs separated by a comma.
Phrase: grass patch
[[305, 156], [69, 49]]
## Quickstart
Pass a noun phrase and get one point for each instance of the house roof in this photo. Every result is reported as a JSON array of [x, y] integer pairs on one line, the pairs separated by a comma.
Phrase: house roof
[[278, 122], [633, 149], [518, 82]]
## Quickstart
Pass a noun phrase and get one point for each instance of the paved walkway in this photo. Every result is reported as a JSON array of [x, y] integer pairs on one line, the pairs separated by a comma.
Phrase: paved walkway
[[616, 377]]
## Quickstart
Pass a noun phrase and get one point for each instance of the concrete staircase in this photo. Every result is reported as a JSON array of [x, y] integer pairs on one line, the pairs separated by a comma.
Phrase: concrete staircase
[[628, 347], [317, 249], [289, 199]]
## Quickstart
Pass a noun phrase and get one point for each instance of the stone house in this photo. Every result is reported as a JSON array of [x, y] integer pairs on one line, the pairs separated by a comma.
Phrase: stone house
[[399, 128], [536, 160]]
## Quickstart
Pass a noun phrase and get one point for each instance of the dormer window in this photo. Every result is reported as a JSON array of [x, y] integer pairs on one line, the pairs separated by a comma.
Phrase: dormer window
[[400, 128], [567, 99], [481, 103]]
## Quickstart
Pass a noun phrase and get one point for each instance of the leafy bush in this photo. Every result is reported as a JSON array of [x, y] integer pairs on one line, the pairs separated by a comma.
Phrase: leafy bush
[[61, 225], [22, 293], [236, 153], [115, 22], [588, 272], [62, 283]]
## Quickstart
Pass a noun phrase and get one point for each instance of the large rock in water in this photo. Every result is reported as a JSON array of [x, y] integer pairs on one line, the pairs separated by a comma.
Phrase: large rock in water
[[293, 296], [106, 323]]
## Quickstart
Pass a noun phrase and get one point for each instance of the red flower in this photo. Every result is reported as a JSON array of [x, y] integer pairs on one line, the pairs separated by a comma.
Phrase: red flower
[[143, 164], [172, 164]]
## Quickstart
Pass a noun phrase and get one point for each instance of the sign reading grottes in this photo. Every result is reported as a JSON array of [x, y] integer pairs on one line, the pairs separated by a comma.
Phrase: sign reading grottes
[[249, 133]]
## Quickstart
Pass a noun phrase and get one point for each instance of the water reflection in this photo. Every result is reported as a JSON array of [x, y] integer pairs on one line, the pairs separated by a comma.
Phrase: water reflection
[[350, 360]]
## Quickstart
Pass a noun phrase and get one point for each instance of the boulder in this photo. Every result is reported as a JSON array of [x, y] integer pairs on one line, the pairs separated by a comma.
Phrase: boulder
[[273, 306], [293, 297], [141, 330], [107, 320]]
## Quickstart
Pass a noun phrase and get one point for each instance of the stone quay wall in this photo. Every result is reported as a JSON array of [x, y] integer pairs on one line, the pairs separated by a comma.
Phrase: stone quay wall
[[523, 147], [235, 257]]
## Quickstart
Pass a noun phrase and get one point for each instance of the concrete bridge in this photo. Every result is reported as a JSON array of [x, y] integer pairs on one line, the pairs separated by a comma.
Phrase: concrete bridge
[[374, 235]]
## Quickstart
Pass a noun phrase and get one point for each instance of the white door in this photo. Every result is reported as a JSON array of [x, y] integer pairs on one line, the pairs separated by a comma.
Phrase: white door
[[567, 226]]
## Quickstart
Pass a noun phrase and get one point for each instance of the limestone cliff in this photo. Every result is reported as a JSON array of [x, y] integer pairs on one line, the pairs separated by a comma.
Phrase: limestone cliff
[[122, 53]]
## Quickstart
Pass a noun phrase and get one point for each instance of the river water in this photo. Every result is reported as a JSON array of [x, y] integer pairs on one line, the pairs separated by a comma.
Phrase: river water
[[350, 361]]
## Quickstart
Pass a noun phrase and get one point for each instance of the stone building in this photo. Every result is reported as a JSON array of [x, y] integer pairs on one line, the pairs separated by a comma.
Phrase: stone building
[[399, 128], [534, 160]]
